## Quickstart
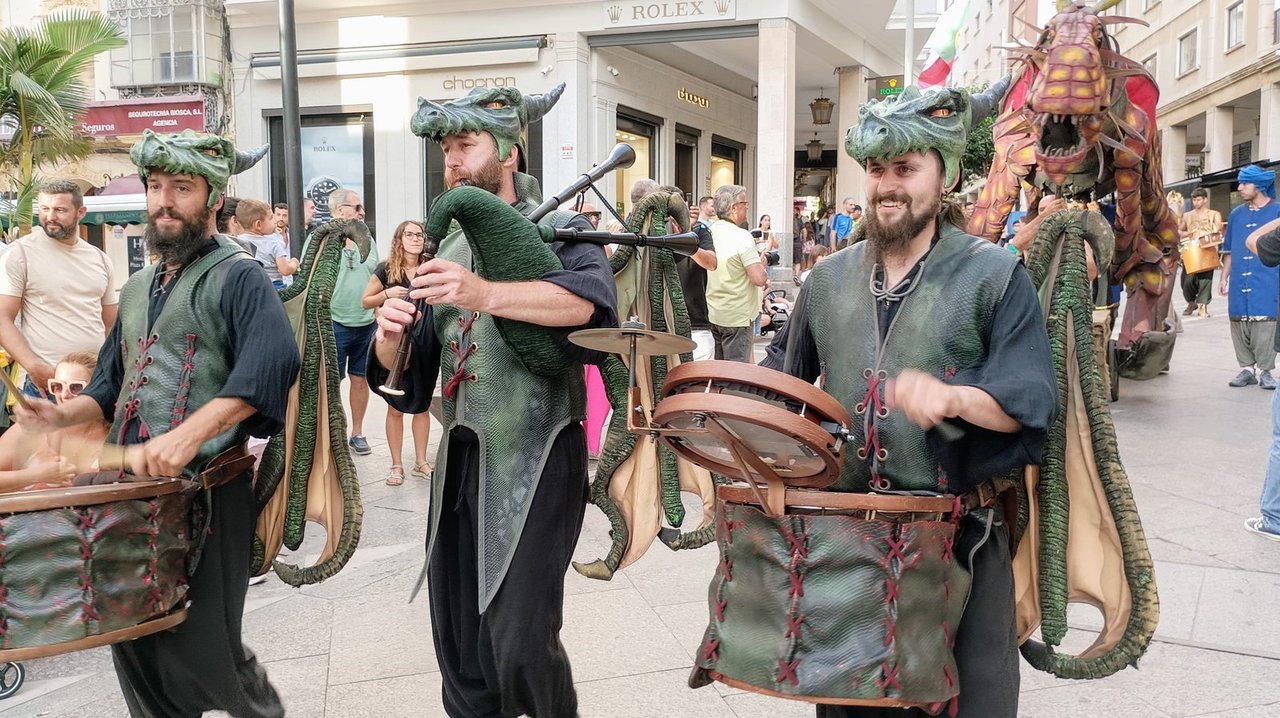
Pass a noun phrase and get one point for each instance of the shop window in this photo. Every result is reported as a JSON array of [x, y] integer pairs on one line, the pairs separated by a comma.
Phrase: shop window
[[1235, 25], [1188, 52], [1152, 66], [337, 152], [726, 162], [687, 162], [1242, 154], [641, 132]]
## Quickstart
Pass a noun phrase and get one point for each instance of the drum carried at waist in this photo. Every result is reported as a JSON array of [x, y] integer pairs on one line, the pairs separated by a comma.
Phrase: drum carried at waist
[[85, 566], [822, 596], [1200, 254]]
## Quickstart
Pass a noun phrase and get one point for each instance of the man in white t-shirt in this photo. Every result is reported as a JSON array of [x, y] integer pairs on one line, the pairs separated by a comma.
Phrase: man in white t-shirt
[[733, 288], [61, 287]]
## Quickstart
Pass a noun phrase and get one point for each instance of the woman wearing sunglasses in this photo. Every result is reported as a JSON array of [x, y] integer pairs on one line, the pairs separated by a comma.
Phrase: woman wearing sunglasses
[[390, 280], [27, 459]]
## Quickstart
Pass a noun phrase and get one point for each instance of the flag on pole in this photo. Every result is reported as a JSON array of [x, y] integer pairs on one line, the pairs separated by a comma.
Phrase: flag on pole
[[942, 43]]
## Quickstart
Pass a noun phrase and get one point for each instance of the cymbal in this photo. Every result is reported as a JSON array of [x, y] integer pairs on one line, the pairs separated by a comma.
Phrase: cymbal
[[618, 341]]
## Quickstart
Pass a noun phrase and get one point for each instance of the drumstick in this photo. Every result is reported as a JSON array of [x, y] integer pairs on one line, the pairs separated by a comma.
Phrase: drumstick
[[13, 389]]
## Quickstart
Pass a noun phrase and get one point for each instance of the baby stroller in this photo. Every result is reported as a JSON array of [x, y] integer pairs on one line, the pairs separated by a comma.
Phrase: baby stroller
[[11, 677], [774, 310]]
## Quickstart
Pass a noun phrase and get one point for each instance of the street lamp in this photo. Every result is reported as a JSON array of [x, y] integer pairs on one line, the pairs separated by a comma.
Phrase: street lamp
[[820, 108], [814, 148]]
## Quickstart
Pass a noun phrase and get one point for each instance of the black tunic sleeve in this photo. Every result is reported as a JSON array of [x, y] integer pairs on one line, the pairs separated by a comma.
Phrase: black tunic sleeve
[[793, 349], [264, 353], [420, 376], [586, 274], [108, 375], [1019, 374], [1269, 248]]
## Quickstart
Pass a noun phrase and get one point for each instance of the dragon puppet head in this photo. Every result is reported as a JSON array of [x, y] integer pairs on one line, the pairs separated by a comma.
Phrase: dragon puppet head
[[503, 112], [1075, 63], [193, 153], [918, 120]]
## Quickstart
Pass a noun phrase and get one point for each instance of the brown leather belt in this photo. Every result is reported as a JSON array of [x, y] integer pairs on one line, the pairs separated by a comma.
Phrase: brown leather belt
[[227, 466], [891, 507]]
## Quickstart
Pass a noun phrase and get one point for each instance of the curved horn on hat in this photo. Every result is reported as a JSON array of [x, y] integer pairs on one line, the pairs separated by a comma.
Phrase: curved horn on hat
[[538, 105], [986, 102], [248, 158]]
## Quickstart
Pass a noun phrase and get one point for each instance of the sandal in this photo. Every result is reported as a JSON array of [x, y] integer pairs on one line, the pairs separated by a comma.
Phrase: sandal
[[396, 476], [420, 473]]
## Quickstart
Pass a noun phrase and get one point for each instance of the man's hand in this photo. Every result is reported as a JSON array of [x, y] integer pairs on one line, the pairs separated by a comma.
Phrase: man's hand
[[394, 316], [927, 401], [42, 417], [54, 471], [396, 292], [443, 282], [166, 455], [40, 374], [1222, 286]]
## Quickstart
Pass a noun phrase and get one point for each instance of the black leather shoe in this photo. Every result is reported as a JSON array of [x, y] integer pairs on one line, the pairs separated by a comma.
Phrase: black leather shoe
[[1245, 378]]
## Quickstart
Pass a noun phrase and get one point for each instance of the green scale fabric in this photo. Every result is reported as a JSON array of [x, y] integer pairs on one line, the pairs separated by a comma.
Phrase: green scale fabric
[[183, 361], [835, 607], [515, 412], [940, 328]]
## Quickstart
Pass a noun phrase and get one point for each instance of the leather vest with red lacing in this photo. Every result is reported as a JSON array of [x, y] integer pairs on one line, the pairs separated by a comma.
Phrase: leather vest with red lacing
[[942, 326], [183, 361], [516, 414]]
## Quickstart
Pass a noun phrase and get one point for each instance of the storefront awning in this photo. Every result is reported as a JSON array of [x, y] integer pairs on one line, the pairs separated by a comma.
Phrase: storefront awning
[[1213, 179], [110, 209]]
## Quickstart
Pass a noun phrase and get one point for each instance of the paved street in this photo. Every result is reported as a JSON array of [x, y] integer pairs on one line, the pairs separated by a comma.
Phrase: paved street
[[1194, 449]]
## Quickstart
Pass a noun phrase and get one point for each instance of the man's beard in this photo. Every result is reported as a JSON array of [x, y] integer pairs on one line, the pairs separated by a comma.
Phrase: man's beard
[[58, 231], [894, 238], [489, 178], [179, 247]]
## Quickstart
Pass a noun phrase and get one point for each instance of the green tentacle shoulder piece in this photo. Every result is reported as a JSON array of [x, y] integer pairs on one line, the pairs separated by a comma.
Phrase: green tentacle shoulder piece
[[1057, 262]]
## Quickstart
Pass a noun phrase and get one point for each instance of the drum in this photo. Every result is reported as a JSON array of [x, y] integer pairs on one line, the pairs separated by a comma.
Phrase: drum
[[752, 423], [1200, 254], [846, 599], [86, 566]]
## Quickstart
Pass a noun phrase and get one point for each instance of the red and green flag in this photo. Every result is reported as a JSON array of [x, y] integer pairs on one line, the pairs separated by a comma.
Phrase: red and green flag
[[942, 44]]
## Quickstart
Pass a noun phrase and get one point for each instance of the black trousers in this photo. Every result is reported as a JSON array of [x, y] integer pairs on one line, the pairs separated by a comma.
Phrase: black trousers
[[986, 642], [202, 665], [507, 661]]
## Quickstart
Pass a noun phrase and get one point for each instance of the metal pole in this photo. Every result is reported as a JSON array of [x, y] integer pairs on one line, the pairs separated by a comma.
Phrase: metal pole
[[292, 127], [908, 59]]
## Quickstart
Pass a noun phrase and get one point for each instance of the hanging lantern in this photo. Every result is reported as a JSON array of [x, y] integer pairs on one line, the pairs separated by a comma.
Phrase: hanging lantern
[[820, 108], [814, 148]]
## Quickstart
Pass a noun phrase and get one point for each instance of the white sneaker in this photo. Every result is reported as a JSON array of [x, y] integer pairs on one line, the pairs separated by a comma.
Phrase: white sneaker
[[257, 580]]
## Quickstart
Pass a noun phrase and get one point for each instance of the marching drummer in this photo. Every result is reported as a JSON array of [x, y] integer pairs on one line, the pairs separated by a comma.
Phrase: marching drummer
[[965, 374], [200, 358]]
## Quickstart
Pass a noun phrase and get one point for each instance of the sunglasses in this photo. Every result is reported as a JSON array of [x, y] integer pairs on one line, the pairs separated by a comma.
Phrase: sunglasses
[[356, 207], [72, 388]]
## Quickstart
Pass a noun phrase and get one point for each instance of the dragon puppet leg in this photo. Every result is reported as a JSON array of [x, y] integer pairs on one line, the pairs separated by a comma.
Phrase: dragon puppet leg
[[1083, 541], [306, 473]]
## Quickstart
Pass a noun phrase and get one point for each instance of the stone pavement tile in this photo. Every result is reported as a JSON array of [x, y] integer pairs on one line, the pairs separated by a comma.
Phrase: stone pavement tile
[[1238, 610], [68, 664], [650, 695], [1268, 711], [754, 705], [687, 622], [1089, 699], [1178, 586], [413, 495], [575, 583], [1262, 557], [616, 633], [300, 683], [96, 696], [1187, 681], [389, 526], [369, 564], [665, 577], [415, 696], [379, 636], [1163, 550], [293, 628]]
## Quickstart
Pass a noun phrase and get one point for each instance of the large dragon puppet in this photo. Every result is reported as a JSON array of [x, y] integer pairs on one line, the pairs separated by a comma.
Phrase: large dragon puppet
[[638, 481], [1078, 537], [1079, 118]]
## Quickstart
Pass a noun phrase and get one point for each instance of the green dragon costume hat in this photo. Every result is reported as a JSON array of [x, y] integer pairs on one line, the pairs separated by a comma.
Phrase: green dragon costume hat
[[937, 118], [503, 112], [193, 153]]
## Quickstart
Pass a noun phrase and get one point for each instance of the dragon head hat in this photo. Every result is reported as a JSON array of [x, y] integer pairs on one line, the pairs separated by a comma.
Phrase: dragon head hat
[[503, 112], [913, 121], [193, 153]]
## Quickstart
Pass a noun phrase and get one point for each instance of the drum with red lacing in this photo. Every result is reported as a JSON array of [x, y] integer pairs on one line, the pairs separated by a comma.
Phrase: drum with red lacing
[[85, 566], [822, 596]]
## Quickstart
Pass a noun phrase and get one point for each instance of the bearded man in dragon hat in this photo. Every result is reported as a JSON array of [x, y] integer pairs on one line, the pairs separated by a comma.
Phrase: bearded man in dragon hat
[[510, 482], [200, 358], [934, 342]]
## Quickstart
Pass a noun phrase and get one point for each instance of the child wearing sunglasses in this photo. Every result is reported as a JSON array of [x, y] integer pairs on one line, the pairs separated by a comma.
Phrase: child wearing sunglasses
[[30, 460]]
